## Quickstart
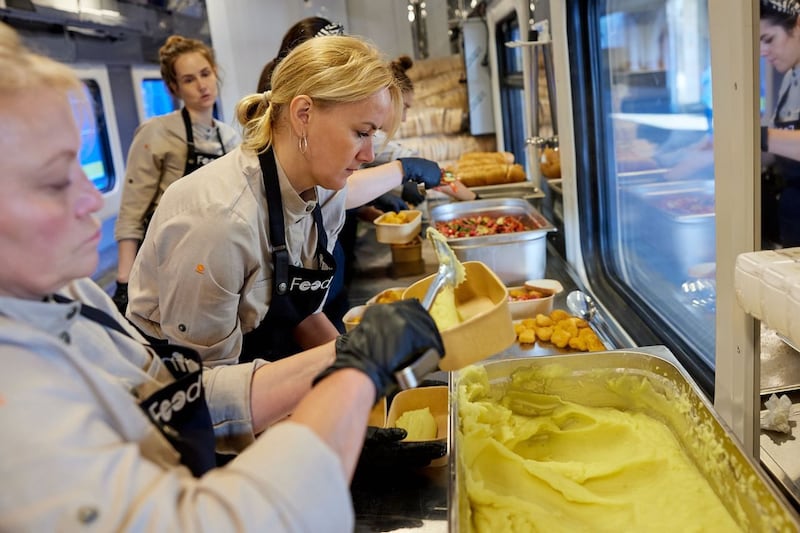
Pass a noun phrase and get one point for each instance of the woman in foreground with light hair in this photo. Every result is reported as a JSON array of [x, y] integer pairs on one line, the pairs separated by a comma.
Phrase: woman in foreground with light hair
[[104, 432]]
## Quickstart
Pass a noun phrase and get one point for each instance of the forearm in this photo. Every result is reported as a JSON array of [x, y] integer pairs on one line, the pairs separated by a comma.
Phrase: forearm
[[337, 410], [126, 252], [366, 184], [278, 387], [784, 143], [315, 330]]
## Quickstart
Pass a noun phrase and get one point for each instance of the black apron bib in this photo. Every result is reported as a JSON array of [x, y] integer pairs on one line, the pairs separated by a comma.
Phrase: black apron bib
[[296, 291], [194, 158], [179, 410]]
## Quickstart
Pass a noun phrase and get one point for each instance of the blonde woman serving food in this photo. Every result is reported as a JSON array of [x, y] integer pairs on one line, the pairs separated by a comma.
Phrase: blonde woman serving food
[[168, 147], [237, 261]]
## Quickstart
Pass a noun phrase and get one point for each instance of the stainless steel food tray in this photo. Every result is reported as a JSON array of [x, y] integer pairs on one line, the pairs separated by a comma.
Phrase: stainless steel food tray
[[525, 190], [514, 257], [671, 238], [744, 485]]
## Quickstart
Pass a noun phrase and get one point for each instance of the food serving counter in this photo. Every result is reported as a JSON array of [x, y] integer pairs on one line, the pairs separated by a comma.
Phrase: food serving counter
[[408, 499]]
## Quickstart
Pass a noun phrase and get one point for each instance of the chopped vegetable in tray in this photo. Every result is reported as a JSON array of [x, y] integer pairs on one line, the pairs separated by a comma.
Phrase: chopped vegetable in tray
[[479, 225]]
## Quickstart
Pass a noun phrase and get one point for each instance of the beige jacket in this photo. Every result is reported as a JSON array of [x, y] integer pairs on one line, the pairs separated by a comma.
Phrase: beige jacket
[[203, 275], [156, 159], [78, 454]]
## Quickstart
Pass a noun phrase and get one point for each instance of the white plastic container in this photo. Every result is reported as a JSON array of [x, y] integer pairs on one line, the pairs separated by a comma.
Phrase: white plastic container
[[392, 233], [776, 282], [794, 312], [747, 277]]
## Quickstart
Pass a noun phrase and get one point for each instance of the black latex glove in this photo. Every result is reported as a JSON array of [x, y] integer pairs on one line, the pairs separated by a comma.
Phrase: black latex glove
[[421, 170], [383, 449], [388, 338], [120, 297], [389, 202], [411, 193]]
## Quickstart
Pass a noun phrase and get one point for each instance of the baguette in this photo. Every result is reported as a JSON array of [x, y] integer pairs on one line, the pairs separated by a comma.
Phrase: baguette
[[486, 157], [476, 175]]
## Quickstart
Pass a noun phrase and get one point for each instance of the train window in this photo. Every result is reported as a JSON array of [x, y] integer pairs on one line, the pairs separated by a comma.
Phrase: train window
[[152, 95], [95, 154], [651, 184], [101, 151], [156, 97]]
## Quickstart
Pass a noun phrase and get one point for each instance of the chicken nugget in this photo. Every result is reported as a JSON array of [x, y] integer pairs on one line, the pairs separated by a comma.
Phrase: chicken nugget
[[595, 345], [558, 314], [568, 326], [543, 320], [577, 343], [560, 338], [527, 336], [544, 333]]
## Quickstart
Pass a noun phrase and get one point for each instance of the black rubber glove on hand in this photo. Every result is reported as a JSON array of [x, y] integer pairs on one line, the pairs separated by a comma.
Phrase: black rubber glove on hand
[[383, 449], [411, 193], [120, 297], [389, 338], [389, 202], [421, 170]]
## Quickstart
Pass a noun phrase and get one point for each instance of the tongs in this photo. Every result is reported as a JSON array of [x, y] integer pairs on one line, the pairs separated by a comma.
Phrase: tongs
[[451, 272]]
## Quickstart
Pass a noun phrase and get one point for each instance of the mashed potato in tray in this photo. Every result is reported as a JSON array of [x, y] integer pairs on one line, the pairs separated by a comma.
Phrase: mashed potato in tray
[[534, 462]]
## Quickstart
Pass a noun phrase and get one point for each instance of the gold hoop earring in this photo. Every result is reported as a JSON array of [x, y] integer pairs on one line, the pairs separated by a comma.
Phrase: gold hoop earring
[[302, 144]]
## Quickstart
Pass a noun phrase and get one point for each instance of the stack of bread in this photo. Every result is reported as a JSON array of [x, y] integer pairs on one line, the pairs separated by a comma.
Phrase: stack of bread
[[487, 168], [436, 126]]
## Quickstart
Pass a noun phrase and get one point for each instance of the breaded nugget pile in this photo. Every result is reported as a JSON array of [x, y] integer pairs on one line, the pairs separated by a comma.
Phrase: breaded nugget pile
[[561, 329]]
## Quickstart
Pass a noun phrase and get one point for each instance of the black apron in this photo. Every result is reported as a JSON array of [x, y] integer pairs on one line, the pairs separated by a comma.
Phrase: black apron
[[788, 190], [194, 158], [178, 410], [296, 291]]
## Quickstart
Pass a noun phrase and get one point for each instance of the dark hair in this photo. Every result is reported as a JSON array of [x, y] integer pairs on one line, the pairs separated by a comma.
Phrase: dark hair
[[302, 31], [399, 68], [777, 17]]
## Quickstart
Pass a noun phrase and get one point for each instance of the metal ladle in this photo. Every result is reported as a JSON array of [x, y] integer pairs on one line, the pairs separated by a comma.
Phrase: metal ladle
[[581, 305], [451, 272]]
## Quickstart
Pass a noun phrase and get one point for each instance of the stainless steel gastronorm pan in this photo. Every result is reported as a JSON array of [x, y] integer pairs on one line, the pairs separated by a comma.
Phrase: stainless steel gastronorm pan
[[514, 257], [674, 223], [741, 485], [525, 190]]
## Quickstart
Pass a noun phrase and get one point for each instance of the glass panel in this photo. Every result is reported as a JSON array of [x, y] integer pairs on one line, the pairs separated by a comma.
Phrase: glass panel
[[95, 148], [658, 191]]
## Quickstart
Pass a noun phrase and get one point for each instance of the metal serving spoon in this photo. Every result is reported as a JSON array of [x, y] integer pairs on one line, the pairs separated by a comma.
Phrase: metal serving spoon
[[581, 305]]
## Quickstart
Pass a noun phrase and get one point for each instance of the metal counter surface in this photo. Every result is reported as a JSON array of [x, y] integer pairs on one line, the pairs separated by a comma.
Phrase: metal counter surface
[[416, 500], [780, 374]]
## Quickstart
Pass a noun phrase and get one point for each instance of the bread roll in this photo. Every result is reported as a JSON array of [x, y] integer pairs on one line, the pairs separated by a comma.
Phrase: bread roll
[[516, 173], [477, 174], [550, 163], [486, 157]]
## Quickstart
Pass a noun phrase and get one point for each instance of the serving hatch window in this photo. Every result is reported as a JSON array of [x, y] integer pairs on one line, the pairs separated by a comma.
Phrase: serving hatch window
[[650, 110]]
